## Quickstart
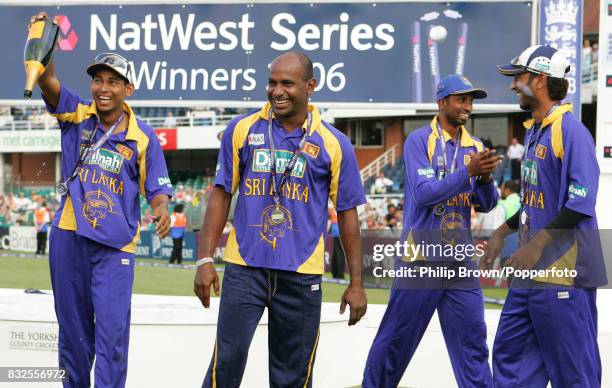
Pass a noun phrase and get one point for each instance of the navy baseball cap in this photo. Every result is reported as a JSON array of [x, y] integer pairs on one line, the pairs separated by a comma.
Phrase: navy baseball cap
[[458, 84], [538, 59]]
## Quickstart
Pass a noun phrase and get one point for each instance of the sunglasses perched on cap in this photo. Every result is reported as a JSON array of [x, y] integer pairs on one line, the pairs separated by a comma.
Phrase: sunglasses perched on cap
[[119, 63]]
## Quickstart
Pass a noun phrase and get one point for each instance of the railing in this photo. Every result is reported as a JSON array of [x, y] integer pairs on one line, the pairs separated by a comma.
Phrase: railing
[[42, 122], [372, 169], [47, 122], [194, 120]]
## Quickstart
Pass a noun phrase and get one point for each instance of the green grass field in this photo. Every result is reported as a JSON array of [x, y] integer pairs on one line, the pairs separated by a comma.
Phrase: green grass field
[[17, 272]]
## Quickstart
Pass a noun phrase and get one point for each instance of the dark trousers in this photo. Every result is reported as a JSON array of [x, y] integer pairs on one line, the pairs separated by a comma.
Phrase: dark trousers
[[294, 311], [461, 315], [177, 250], [337, 259], [92, 290], [515, 165], [41, 243], [547, 335]]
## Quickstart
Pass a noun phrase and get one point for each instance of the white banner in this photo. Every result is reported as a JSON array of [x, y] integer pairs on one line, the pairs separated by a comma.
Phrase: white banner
[[188, 138], [22, 238], [604, 88], [30, 141], [195, 138], [32, 338]]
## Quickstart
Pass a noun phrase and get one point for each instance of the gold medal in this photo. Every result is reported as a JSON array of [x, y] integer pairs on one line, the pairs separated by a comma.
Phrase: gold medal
[[277, 216]]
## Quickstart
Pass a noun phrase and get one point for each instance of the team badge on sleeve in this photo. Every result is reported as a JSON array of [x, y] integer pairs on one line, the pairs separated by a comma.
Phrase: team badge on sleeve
[[164, 181], [575, 190], [426, 172], [126, 152]]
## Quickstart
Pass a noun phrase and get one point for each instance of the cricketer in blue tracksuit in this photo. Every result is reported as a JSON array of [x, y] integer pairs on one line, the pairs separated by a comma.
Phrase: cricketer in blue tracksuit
[[97, 226], [278, 270], [436, 203], [547, 331]]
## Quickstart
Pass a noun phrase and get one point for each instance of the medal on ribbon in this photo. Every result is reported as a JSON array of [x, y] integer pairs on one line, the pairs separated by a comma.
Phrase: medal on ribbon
[[87, 152], [61, 188], [276, 218], [277, 215]]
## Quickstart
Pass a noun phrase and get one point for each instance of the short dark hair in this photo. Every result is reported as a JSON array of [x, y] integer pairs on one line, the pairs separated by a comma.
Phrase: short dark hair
[[178, 207], [512, 185], [557, 88], [305, 63]]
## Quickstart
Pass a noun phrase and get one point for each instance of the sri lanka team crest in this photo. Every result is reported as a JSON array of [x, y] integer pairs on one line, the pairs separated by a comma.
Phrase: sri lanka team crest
[[452, 226], [97, 205], [275, 221], [452, 221]]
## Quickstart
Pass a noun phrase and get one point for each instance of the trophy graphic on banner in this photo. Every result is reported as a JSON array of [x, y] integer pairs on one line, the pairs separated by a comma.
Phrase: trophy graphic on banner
[[38, 51], [436, 34]]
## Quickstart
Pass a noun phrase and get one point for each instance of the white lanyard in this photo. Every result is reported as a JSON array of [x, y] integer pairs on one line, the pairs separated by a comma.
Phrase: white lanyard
[[289, 167], [443, 146], [88, 151], [524, 182]]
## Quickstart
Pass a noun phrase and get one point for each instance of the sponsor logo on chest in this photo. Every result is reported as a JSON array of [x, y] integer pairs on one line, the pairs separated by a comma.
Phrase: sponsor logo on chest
[[107, 160], [261, 162], [256, 139]]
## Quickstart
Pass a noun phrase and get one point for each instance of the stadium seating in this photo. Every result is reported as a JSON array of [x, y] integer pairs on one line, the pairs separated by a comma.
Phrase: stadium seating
[[395, 172], [147, 111], [187, 180]]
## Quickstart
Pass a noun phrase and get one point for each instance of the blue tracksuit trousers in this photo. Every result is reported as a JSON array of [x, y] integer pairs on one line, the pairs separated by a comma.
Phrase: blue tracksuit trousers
[[92, 290]]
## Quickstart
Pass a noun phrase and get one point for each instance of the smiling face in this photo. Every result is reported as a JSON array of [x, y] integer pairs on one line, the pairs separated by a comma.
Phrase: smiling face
[[288, 87], [456, 108], [524, 85], [109, 90]]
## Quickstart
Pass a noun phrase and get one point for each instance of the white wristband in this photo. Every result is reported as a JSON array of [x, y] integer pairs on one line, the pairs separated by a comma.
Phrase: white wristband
[[204, 260]]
